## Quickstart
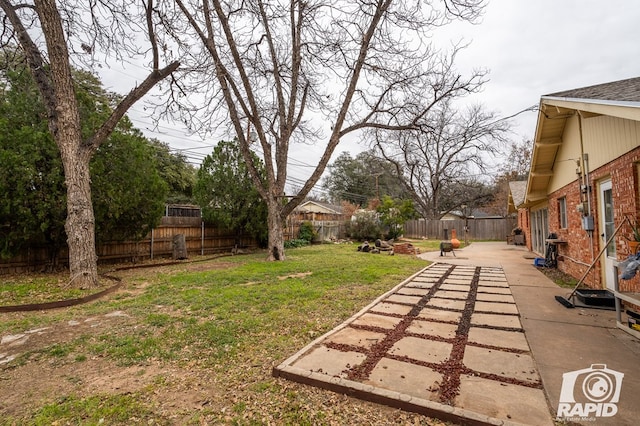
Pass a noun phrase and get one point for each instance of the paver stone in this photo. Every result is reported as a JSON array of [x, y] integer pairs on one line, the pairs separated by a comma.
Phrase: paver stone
[[514, 403], [329, 361], [422, 349], [506, 364], [414, 380]]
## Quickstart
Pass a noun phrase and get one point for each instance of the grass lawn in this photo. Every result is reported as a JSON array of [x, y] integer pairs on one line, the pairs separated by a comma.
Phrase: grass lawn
[[37, 288], [193, 343]]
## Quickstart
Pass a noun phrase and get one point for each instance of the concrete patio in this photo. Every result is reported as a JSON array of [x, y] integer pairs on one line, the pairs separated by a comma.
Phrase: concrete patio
[[473, 339]]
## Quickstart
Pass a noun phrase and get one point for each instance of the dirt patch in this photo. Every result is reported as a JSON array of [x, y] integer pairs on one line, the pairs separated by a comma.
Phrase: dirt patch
[[173, 390], [15, 345], [561, 279], [30, 377], [211, 266], [299, 275]]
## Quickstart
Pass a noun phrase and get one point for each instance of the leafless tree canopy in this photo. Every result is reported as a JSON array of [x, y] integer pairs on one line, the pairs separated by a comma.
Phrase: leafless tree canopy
[[98, 32], [450, 152], [310, 71]]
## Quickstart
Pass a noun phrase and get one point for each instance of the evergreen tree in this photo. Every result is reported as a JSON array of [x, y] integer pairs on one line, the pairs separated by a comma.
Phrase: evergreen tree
[[225, 191], [128, 193]]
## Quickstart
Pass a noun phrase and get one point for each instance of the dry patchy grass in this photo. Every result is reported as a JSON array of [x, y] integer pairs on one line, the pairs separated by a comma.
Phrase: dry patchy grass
[[195, 343]]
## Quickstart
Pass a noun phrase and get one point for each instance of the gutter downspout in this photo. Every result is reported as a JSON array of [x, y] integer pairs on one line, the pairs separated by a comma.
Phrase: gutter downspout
[[586, 181]]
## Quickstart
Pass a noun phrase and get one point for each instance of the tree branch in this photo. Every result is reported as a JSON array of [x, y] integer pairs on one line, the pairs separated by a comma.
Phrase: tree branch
[[138, 92], [134, 95], [34, 58]]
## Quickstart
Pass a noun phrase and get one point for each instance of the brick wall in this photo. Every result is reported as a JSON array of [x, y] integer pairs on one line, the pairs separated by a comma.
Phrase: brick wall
[[578, 253], [624, 179], [523, 223]]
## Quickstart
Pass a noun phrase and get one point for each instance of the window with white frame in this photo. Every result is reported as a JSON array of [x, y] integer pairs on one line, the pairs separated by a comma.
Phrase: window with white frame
[[562, 212]]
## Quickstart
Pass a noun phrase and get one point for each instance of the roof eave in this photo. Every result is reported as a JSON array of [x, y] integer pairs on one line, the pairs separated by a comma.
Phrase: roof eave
[[539, 175], [621, 109]]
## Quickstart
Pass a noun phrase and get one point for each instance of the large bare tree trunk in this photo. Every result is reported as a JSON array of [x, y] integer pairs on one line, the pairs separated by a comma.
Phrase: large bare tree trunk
[[65, 127], [276, 233], [80, 223]]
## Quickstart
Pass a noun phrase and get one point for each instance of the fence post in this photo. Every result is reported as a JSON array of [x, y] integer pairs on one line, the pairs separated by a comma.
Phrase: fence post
[[151, 248], [202, 238]]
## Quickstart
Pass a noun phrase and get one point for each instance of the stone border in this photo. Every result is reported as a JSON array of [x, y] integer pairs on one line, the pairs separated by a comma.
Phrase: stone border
[[63, 303], [90, 298], [386, 397]]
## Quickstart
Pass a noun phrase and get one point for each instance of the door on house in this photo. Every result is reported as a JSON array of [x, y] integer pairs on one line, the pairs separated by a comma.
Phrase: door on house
[[539, 230], [607, 226]]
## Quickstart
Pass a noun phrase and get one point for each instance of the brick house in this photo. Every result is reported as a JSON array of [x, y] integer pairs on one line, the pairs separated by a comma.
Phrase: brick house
[[585, 179], [517, 191]]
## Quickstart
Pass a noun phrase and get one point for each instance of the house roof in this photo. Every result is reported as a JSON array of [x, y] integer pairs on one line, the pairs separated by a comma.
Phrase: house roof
[[623, 90], [312, 206], [481, 214], [473, 214], [616, 99], [517, 192]]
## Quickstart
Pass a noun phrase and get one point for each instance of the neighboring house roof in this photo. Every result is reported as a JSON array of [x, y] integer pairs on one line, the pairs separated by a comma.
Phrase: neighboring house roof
[[616, 99], [452, 215], [517, 193], [319, 207], [623, 90], [474, 214], [481, 214]]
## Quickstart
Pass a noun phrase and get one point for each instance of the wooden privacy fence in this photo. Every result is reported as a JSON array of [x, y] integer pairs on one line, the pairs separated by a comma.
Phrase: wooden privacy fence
[[479, 229], [326, 230], [200, 240], [329, 230]]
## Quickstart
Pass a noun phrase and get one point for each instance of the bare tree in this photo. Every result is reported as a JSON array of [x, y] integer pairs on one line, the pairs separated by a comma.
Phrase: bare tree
[[50, 33], [282, 69], [517, 162], [515, 167], [444, 161]]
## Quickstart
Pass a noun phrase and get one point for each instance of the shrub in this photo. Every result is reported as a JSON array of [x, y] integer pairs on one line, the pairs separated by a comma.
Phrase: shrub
[[307, 232], [298, 242], [364, 226]]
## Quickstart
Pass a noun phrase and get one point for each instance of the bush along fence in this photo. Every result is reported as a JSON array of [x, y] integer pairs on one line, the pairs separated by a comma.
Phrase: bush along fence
[[478, 229], [325, 230], [199, 239]]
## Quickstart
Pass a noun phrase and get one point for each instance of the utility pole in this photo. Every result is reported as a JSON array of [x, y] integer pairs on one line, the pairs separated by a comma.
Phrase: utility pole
[[376, 176]]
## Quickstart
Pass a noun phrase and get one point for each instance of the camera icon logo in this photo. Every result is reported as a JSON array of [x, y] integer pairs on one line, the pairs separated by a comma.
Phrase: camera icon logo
[[590, 392]]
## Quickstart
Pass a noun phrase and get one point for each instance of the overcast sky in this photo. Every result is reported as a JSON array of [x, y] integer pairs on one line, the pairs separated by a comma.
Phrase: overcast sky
[[531, 48], [534, 48]]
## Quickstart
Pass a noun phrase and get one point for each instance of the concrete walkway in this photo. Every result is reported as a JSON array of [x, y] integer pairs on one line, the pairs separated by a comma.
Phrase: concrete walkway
[[477, 339]]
